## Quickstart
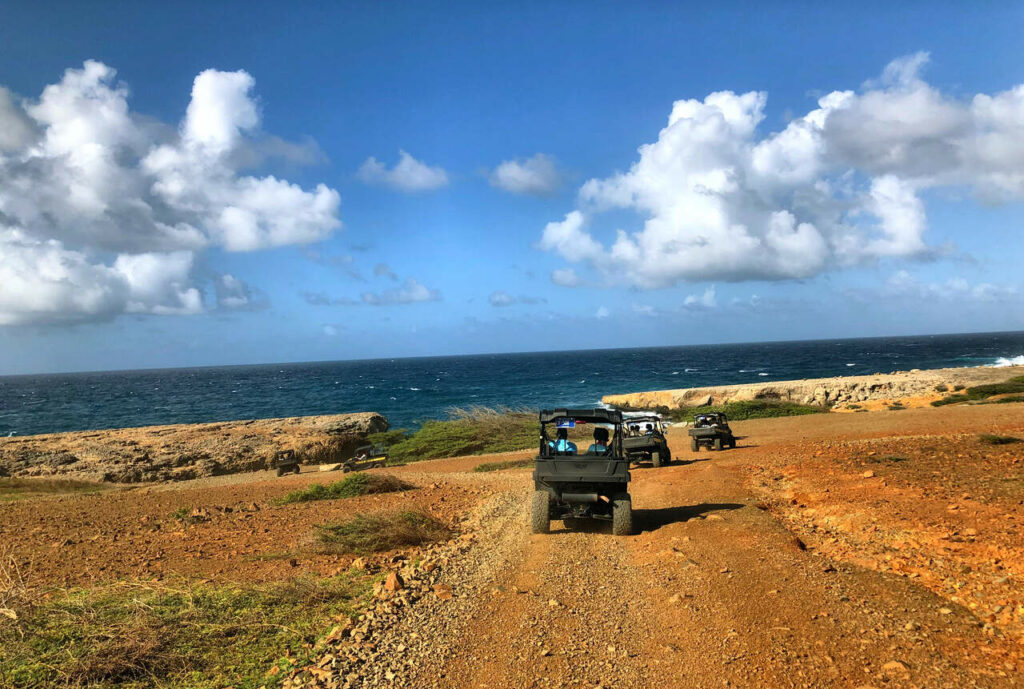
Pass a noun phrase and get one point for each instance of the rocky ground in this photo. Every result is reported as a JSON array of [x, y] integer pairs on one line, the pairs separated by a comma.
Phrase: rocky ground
[[911, 388], [185, 451], [848, 550]]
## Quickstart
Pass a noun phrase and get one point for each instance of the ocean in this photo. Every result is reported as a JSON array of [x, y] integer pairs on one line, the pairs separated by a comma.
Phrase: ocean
[[409, 391]]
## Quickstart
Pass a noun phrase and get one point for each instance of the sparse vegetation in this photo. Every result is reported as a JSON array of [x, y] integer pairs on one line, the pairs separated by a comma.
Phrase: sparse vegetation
[[507, 464], [367, 533], [993, 439], [478, 430], [895, 406], [941, 387], [21, 488], [135, 634], [738, 411], [887, 459], [979, 393], [349, 487]]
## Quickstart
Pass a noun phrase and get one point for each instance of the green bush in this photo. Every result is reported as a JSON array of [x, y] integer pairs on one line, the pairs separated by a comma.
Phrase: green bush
[[366, 533], [982, 392], [467, 432], [992, 439], [349, 487], [202, 636]]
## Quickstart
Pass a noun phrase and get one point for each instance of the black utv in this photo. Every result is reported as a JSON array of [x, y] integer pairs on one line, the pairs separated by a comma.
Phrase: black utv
[[366, 457], [711, 430], [645, 440], [571, 484]]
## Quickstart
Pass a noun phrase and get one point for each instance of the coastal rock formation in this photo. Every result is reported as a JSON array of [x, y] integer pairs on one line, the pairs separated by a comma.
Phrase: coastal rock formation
[[185, 451], [838, 392]]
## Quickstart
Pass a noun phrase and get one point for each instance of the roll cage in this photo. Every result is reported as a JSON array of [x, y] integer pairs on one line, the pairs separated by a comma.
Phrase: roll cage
[[571, 418]]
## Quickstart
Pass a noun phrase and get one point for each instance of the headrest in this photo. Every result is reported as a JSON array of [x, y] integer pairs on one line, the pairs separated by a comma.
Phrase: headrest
[[600, 434]]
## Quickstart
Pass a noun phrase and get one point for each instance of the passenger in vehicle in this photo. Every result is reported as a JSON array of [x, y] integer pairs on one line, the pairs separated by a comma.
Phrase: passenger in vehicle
[[649, 430], [600, 446], [561, 445]]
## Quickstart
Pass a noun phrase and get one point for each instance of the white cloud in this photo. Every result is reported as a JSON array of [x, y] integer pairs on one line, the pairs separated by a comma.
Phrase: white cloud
[[903, 284], [408, 175], [410, 292], [330, 330], [602, 312], [836, 187], [566, 277], [501, 298], [644, 310], [113, 207], [706, 300], [535, 175]]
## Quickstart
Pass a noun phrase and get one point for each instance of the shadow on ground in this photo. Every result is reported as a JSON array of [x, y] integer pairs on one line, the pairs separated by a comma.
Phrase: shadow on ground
[[652, 520]]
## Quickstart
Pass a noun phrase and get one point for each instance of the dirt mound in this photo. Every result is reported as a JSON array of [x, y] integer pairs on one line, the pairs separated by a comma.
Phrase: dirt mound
[[185, 451]]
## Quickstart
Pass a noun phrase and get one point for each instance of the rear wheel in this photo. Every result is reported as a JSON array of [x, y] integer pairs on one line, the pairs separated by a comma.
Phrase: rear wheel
[[718, 443], [694, 445], [540, 514], [622, 517], [656, 459], [280, 471]]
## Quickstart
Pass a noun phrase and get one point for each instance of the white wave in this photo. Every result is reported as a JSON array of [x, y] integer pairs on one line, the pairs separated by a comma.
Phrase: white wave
[[1003, 362], [851, 364], [676, 373], [415, 389], [762, 374], [690, 370]]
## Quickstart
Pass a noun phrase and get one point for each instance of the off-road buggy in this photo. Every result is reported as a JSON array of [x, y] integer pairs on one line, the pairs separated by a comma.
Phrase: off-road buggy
[[645, 439], [711, 430], [285, 462], [366, 457], [592, 484]]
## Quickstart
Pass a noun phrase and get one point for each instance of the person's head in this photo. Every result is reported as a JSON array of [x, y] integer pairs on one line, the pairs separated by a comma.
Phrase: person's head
[[601, 436], [562, 433], [650, 427]]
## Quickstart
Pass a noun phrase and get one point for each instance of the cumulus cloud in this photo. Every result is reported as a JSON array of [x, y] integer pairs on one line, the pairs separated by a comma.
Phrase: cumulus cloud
[[903, 284], [602, 312], [565, 277], [103, 211], [702, 301], [410, 292], [839, 186], [535, 175], [501, 298], [408, 174]]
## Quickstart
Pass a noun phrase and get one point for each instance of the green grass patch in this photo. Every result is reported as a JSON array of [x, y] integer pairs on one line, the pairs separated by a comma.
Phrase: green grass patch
[[349, 487], [200, 636], [750, 409], [473, 431], [979, 393], [993, 439], [1007, 400], [507, 464], [22, 488], [366, 533]]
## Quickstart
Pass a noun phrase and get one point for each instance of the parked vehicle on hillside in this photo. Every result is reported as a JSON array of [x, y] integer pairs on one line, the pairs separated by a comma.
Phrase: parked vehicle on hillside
[[285, 462], [644, 440], [711, 430], [366, 457], [569, 484]]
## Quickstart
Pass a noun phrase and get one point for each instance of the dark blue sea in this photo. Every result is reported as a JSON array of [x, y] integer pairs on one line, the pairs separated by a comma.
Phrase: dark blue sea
[[409, 391]]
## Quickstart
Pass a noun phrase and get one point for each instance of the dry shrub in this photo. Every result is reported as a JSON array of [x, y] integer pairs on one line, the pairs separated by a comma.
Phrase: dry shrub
[[383, 531]]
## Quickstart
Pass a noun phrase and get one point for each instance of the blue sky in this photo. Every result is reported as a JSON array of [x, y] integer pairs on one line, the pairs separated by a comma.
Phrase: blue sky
[[895, 210]]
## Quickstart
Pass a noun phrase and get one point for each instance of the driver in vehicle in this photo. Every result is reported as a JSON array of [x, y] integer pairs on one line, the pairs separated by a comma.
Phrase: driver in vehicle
[[562, 445], [600, 446]]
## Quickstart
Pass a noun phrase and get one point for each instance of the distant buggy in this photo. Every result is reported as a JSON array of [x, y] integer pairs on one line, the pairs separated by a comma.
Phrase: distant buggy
[[645, 440], [593, 484], [711, 430], [285, 462], [366, 457]]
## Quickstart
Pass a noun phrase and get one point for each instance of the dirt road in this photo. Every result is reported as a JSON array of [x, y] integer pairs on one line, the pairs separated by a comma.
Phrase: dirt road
[[712, 591]]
